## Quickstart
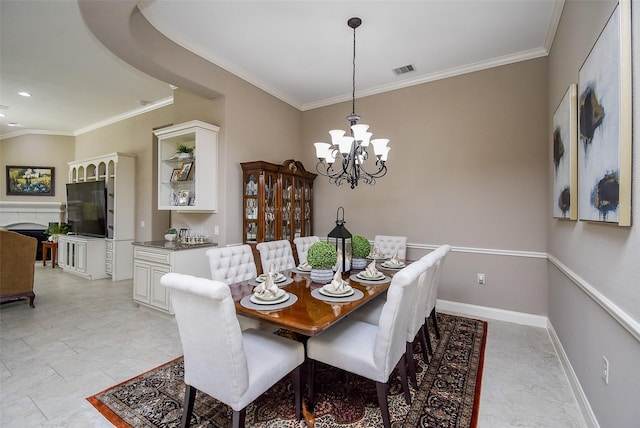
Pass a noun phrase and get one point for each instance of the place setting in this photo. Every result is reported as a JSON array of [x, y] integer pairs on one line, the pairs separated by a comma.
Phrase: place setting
[[279, 278], [394, 263], [371, 276], [337, 291], [303, 268], [268, 296], [376, 254]]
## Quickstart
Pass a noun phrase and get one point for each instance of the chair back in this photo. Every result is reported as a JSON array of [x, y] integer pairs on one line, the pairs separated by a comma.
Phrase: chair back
[[391, 338], [277, 252], [389, 245], [302, 246], [439, 255], [214, 358], [418, 311], [232, 264]]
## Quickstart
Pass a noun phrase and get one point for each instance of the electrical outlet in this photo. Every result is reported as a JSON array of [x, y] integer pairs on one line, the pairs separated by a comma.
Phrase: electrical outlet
[[216, 230], [605, 370], [480, 279]]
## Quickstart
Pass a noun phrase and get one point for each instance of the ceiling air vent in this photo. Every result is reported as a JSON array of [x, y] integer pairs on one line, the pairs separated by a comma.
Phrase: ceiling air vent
[[404, 69]]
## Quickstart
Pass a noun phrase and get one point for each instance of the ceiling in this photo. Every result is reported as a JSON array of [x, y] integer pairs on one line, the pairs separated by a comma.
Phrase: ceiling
[[298, 50]]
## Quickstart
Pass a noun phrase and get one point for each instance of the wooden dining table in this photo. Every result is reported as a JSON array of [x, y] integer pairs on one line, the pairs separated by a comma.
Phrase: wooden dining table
[[308, 315]]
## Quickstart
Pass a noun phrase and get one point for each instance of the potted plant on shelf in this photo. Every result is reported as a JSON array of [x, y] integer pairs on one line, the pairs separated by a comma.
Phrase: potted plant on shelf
[[170, 234], [184, 151], [360, 249], [322, 257], [56, 229]]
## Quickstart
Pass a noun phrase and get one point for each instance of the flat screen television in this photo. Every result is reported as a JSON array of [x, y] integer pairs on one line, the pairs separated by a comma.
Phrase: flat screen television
[[87, 208]]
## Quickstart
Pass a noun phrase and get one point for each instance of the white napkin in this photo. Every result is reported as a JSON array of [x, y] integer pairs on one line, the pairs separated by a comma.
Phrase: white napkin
[[375, 253], [394, 261], [338, 285], [267, 290], [304, 266], [371, 271], [273, 270]]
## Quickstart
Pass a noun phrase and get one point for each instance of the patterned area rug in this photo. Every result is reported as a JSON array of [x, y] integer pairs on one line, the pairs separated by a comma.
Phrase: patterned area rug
[[448, 394]]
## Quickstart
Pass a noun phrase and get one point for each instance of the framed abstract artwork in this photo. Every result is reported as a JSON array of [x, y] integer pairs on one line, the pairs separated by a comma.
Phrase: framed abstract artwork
[[565, 156], [604, 131], [31, 180]]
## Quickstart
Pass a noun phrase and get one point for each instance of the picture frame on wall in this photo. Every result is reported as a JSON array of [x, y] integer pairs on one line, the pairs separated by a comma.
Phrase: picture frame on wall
[[565, 156], [31, 180], [604, 124]]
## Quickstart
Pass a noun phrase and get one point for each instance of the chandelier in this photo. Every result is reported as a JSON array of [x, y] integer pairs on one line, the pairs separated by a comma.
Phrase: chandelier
[[352, 150]]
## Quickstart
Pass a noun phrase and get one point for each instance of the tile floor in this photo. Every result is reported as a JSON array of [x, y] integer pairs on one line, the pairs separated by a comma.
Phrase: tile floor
[[85, 336]]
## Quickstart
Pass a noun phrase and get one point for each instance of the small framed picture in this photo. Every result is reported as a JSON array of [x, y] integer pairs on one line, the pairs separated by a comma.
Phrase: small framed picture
[[183, 198], [185, 170], [175, 175]]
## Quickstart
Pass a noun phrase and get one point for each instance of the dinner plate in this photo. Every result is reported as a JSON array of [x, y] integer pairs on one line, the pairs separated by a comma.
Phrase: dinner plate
[[377, 258], [388, 266], [367, 278], [303, 270], [279, 278], [259, 301], [328, 293]]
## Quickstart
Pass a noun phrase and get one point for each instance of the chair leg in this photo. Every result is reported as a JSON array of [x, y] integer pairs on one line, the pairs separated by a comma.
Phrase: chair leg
[[425, 343], [383, 403], [297, 385], [411, 366], [187, 406], [311, 382], [239, 417], [434, 317], [403, 378], [428, 335]]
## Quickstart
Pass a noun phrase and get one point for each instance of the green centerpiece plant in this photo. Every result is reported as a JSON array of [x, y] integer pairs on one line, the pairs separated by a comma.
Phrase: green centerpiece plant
[[360, 249], [170, 234], [322, 257]]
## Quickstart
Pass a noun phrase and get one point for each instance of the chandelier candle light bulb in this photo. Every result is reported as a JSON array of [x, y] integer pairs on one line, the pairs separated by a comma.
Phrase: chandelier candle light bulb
[[353, 148]]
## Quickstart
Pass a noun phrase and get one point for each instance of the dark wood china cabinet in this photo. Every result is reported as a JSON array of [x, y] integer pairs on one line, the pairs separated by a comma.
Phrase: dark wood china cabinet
[[277, 202]]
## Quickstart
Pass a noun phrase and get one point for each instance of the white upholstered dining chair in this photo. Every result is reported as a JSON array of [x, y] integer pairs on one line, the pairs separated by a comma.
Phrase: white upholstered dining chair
[[369, 350], [278, 253], [420, 309], [443, 251], [235, 264], [302, 246], [233, 366], [389, 245]]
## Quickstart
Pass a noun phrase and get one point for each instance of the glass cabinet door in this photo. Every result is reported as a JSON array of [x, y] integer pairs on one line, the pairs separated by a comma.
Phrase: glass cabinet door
[[251, 208], [307, 208], [287, 190], [297, 208], [270, 182]]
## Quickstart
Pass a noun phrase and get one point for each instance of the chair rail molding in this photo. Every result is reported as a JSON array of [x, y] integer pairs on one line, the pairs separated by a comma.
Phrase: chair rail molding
[[614, 310]]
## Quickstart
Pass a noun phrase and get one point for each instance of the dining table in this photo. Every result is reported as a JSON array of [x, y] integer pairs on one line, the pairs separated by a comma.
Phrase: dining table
[[307, 310]]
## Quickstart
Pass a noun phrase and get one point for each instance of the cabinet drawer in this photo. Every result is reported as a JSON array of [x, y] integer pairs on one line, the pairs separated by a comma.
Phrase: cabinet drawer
[[109, 245], [163, 257], [108, 256]]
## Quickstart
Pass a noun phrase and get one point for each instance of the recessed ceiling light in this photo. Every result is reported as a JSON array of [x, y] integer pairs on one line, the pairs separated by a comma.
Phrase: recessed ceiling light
[[24, 93], [13, 124], [2, 115]]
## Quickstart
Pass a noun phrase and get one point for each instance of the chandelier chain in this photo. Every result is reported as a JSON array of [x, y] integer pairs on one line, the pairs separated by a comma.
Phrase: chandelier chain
[[353, 87]]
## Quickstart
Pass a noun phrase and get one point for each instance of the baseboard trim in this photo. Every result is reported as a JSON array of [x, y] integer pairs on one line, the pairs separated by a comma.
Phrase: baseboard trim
[[581, 398], [492, 313]]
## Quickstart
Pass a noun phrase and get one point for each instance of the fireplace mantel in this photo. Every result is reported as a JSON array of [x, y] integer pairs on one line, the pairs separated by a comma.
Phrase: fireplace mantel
[[30, 215]]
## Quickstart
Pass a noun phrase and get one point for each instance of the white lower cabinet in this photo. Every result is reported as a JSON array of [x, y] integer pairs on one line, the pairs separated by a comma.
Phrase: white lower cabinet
[[82, 255], [152, 260]]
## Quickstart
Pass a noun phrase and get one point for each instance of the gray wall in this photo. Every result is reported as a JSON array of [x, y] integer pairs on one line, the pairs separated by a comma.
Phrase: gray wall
[[594, 274]]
